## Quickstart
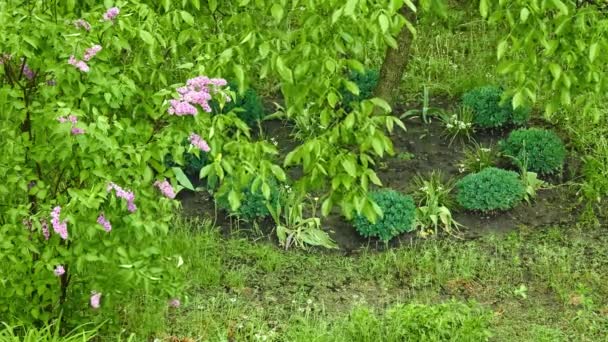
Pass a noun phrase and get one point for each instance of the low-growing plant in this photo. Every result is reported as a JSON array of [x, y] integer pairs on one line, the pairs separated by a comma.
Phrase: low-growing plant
[[366, 81], [489, 190], [426, 112], [246, 104], [490, 111], [543, 151], [398, 215], [257, 196], [477, 157], [434, 200], [293, 228], [458, 125], [46, 333]]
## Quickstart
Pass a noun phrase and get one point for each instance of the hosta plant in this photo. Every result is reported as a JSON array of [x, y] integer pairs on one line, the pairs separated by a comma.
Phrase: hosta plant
[[434, 203], [398, 216], [477, 157], [541, 150], [490, 190]]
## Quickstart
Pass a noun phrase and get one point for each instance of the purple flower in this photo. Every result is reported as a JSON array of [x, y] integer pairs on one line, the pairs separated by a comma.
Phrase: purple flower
[[80, 65], [127, 195], [82, 24], [91, 52], [77, 131], [199, 142], [95, 298], [181, 108], [175, 303], [45, 229], [60, 227], [166, 188], [111, 13], [104, 223], [198, 90], [27, 72], [73, 119], [59, 270]]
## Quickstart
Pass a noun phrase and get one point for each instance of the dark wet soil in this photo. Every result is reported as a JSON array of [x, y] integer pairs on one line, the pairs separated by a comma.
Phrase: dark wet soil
[[419, 150]]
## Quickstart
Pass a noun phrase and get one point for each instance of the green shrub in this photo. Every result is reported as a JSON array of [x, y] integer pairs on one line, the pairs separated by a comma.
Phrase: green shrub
[[248, 106], [490, 189], [253, 203], [366, 81], [399, 213], [540, 150], [489, 112]]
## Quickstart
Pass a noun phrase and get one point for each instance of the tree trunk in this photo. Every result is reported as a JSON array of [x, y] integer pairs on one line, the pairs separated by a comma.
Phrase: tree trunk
[[395, 61]]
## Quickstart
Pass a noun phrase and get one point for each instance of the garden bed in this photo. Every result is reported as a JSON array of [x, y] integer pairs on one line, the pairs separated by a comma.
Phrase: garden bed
[[419, 150]]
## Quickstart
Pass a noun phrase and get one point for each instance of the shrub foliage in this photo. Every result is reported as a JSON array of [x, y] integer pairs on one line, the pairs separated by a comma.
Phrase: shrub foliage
[[399, 213], [490, 189], [489, 111], [540, 150]]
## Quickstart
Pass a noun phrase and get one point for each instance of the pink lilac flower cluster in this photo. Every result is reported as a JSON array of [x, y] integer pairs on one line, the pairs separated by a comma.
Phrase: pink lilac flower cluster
[[111, 13], [166, 188], [107, 226], [60, 227], [82, 24], [74, 120], [80, 65], [45, 229], [199, 142], [95, 299], [59, 270], [175, 303], [127, 195], [198, 90], [91, 52]]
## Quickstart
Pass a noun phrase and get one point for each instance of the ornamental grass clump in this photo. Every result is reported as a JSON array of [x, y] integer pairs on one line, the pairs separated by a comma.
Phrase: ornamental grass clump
[[399, 214], [489, 190], [540, 150], [489, 110]]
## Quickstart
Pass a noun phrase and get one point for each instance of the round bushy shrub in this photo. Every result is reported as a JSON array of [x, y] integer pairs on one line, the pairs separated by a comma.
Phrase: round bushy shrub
[[253, 204], [488, 111], [250, 104], [490, 189], [398, 210], [366, 81], [540, 150]]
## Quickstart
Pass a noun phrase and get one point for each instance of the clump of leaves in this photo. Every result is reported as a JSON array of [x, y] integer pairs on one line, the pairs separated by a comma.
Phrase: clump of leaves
[[434, 203], [459, 125], [477, 158], [254, 203], [543, 151], [398, 215], [366, 81], [489, 190], [489, 110], [247, 105], [296, 229]]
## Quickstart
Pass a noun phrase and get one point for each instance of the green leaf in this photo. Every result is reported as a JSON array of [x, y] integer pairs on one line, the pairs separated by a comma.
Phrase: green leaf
[[239, 73], [234, 200], [212, 5], [502, 48], [349, 166], [483, 8], [277, 11], [384, 24], [182, 179], [524, 14], [285, 73], [593, 51], [146, 37], [187, 17]]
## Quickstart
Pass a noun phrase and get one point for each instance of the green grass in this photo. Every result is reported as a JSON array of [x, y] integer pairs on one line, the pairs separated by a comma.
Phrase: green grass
[[551, 281]]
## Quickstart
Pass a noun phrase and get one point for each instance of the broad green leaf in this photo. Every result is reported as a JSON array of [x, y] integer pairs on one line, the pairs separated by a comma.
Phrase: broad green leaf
[[146, 37], [593, 51], [182, 179], [277, 11], [187, 17], [384, 24]]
